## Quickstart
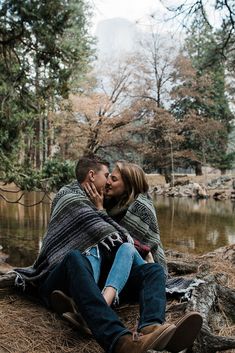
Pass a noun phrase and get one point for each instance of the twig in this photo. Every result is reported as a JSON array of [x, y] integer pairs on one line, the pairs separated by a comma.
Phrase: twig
[[23, 204]]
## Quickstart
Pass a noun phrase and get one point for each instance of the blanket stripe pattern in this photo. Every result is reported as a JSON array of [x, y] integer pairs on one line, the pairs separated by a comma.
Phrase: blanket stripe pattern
[[141, 222], [75, 224]]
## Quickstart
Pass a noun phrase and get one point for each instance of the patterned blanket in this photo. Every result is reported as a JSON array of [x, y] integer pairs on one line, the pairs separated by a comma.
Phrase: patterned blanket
[[141, 222], [75, 224]]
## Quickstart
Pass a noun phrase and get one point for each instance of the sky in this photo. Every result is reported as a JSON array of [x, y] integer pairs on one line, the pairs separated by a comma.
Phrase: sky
[[133, 10], [139, 11]]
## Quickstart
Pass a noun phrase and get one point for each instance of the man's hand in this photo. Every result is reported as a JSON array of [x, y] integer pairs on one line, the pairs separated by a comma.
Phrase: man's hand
[[96, 197]]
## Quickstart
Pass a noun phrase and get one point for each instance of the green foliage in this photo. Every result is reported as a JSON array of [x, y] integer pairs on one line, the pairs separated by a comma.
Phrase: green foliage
[[58, 173], [201, 101], [226, 161], [202, 49], [42, 43], [25, 178], [53, 176]]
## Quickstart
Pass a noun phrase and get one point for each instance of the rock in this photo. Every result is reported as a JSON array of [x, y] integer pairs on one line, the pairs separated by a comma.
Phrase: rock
[[199, 191], [219, 195]]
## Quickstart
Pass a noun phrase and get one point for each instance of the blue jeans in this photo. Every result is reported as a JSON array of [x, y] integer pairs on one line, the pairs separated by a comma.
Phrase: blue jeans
[[74, 276], [94, 257], [126, 257]]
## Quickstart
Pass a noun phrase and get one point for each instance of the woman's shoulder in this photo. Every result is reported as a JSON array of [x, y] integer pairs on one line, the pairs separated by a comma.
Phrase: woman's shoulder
[[145, 199], [142, 205]]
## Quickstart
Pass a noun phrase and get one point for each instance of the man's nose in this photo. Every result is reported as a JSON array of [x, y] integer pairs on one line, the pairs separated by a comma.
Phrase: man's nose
[[108, 181]]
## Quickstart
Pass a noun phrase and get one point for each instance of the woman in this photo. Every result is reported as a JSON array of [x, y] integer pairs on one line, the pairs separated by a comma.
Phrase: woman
[[130, 205]]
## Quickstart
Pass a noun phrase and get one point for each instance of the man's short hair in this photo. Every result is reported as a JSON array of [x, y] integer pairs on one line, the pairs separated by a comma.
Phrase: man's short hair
[[87, 163]]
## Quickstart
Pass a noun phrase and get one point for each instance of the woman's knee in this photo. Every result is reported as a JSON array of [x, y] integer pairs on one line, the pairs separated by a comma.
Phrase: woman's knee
[[128, 249]]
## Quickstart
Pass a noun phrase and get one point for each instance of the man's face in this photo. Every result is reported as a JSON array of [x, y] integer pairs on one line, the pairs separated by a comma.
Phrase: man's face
[[100, 178]]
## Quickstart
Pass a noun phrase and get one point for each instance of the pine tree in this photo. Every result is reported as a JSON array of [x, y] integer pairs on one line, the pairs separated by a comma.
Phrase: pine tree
[[204, 98], [42, 45]]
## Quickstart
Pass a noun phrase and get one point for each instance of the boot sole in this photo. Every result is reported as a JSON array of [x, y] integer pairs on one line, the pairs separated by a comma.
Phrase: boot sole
[[187, 329], [60, 303], [162, 340], [77, 322]]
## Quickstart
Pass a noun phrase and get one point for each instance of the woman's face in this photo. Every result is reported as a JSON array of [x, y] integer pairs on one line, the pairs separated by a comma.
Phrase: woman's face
[[115, 186]]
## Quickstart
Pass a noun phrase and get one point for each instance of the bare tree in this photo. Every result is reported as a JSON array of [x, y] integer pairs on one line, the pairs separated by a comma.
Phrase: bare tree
[[96, 115], [153, 67], [224, 13]]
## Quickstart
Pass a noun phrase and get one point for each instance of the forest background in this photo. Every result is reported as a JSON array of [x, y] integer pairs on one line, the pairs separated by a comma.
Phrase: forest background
[[167, 109]]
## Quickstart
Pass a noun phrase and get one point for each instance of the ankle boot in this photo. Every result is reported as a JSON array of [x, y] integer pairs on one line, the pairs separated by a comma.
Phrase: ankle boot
[[187, 329], [157, 340], [61, 303], [77, 321]]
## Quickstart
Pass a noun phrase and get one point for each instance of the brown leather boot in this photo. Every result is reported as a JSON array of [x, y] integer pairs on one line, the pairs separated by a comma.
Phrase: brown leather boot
[[77, 321], [61, 303], [156, 340], [187, 329]]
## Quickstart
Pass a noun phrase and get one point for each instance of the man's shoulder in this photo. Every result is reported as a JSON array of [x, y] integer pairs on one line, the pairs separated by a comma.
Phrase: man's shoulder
[[67, 192], [72, 188], [73, 185]]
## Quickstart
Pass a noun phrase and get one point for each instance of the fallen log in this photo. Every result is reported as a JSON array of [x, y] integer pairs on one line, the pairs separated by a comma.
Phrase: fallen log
[[7, 280], [182, 268], [207, 342]]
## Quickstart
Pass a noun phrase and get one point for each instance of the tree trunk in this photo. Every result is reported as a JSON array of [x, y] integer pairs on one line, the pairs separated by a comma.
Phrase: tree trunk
[[38, 133], [198, 169], [167, 174], [223, 171]]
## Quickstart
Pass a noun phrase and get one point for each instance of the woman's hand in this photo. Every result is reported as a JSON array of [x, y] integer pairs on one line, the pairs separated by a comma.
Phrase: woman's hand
[[96, 197], [149, 257]]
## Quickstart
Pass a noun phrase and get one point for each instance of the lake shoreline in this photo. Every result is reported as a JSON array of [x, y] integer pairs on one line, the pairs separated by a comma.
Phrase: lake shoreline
[[216, 186], [212, 182]]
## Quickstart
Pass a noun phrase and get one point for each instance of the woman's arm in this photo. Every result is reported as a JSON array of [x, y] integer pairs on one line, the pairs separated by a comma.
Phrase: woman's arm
[[149, 258]]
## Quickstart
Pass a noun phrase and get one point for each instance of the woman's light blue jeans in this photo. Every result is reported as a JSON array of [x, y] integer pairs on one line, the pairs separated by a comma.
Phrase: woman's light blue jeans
[[126, 257]]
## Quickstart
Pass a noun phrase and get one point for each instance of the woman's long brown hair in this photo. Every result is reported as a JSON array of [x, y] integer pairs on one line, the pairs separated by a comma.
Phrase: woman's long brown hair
[[134, 179]]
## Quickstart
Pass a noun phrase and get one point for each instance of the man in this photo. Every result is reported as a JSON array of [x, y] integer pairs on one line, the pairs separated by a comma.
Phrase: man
[[75, 226]]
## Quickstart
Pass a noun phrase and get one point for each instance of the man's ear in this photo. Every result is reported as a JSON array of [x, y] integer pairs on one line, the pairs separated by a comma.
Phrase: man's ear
[[91, 174]]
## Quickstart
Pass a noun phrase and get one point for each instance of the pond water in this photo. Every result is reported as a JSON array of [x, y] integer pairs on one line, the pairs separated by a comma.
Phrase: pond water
[[194, 226]]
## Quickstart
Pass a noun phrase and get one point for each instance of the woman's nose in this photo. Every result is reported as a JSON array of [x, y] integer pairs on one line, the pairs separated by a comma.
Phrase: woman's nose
[[109, 180]]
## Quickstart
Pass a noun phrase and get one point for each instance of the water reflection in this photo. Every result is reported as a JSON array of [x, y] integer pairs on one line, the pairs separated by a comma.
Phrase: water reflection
[[186, 225], [22, 228], [196, 226]]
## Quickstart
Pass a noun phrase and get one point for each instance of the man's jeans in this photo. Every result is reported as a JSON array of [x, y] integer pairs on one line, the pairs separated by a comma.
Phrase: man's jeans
[[74, 276]]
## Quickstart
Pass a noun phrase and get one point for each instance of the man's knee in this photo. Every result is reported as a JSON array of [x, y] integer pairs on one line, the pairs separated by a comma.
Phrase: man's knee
[[154, 269], [73, 258]]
